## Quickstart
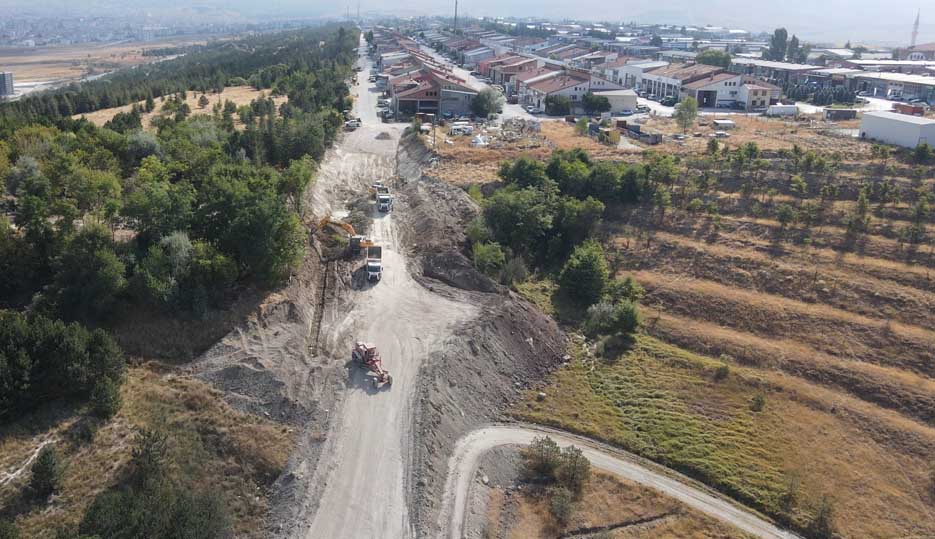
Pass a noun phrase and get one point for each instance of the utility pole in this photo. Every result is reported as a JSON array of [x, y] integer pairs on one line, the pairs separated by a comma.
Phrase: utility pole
[[456, 15], [915, 29]]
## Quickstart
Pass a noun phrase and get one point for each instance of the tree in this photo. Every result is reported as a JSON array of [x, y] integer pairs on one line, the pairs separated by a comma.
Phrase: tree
[[594, 104], [584, 276], [777, 45], [792, 49], [561, 504], [46, 472], [714, 57], [821, 525], [525, 172], [488, 101], [8, 530], [557, 105], [540, 459], [686, 112], [203, 101], [922, 153], [655, 41]]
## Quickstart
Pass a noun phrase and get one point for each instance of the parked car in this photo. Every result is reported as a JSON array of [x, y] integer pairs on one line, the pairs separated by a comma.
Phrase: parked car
[[372, 78], [652, 97], [625, 112], [668, 101], [530, 109], [642, 108], [475, 73]]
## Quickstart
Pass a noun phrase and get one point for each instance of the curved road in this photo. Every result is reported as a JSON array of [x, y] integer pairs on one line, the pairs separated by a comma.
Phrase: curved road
[[462, 468]]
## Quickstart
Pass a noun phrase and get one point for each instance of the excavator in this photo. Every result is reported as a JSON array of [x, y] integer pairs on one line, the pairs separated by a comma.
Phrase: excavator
[[356, 242], [367, 355]]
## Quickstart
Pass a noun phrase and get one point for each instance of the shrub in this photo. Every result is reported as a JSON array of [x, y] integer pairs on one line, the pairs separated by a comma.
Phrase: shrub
[[821, 525], [600, 319], [626, 317], [8, 530], [922, 153], [584, 276], [758, 403], [489, 258], [574, 470], [625, 289], [514, 271], [562, 504], [540, 459], [46, 472], [105, 398], [557, 105], [721, 372]]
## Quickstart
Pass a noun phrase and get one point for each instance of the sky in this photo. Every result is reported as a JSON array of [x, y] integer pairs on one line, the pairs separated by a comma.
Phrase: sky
[[835, 21]]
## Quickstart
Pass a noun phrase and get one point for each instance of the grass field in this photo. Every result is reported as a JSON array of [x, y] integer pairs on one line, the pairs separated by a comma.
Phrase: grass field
[[212, 447], [626, 509]]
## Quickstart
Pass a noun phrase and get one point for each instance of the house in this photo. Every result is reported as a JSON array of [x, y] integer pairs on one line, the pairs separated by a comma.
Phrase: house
[[669, 80], [524, 79], [755, 95], [505, 73], [899, 129], [620, 100], [571, 86], [776, 72]]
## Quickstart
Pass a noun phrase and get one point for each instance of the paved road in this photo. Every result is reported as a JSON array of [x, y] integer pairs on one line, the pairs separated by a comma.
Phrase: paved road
[[462, 469]]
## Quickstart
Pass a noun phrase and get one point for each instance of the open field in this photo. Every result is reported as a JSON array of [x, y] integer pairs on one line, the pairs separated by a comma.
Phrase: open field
[[626, 509], [822, 317], [240, 95], [72, 62], [212, 447]]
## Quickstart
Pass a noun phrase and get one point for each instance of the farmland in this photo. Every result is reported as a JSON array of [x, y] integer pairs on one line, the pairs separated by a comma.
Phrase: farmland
[[787, 353]]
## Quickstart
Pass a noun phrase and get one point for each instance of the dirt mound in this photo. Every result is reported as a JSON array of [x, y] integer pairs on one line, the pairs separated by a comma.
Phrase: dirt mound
[[383, 136], [490, 359]]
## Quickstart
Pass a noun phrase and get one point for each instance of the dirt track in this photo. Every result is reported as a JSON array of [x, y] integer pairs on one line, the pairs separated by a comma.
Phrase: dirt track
[[463, 467]]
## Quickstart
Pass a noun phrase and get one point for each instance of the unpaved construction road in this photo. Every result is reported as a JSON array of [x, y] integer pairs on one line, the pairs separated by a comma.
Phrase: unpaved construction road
[[470, 448]]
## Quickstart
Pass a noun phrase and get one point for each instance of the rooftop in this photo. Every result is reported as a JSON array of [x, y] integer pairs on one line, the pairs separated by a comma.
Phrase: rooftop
[[555, 84], [786, 66], [615, 92], [898, 77], [905, 118], [686, 71], [713, 79]]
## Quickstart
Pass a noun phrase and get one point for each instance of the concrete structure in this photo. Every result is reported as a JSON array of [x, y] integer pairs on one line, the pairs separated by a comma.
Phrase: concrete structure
[[620, 100], [925, 51], [6, 83], [631, 74], [721, 90], [428, 91], [668, 81], [899, 129], [470, 58], [899, 85], [777, 72]]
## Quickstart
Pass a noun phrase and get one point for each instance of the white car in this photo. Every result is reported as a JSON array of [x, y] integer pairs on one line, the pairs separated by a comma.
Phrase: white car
[[530, 109]]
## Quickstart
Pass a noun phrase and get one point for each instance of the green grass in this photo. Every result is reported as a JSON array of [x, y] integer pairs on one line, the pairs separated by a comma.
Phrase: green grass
[[662, 402]]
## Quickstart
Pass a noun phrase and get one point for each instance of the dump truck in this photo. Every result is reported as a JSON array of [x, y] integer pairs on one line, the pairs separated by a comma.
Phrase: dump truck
[[379, 189], [374, 263], [384, 202], [367, 355]]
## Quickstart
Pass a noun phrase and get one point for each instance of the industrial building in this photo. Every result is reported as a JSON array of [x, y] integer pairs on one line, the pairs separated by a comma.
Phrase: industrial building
[[6, 83], [898, 129]]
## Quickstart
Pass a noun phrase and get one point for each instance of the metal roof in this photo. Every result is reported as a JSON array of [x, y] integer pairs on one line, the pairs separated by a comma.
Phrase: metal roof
[[904, 118]]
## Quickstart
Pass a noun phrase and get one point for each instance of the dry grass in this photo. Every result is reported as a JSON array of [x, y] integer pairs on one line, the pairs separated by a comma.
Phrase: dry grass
[[212, 447], [663, 402], [72, 62], [607, 500], [240, 95]]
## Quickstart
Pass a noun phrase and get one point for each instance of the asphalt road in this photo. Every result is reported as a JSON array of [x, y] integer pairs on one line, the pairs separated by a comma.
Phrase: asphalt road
[[462, 469]]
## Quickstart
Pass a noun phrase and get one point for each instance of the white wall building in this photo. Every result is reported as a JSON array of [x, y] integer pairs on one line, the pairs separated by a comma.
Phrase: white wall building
[[6, 83], [620, 100], [899, 129]]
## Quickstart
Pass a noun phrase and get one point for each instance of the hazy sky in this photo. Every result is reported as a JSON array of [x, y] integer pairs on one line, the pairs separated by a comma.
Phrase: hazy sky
[[816, 20]]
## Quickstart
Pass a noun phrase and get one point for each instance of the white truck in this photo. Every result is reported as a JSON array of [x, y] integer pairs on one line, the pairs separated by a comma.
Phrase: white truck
[[384, 202], [374, 263]]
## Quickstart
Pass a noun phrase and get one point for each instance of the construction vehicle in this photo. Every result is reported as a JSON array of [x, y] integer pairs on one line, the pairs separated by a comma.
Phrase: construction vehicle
[[358, 243], [378, 189], [367, 355], [355, 243], [384, 202], [374, 263]]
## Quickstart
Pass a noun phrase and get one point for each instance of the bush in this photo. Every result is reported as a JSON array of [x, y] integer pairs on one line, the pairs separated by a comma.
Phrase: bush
[[514, 271], [758, 403], [561, 504], [627, 289], [922, 153], [8, 530], [574, 470], [557, 105], [489, 258], [584, 276], [600, 319], [721, 372], [46, 473], [105, 399], [487, 102], [540, 459], [821, 525], [477, 231], [626, 317]]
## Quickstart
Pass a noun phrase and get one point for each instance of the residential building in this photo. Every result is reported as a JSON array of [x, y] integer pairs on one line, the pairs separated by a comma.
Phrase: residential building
[[669, 80], [6, 83], [899, 129]]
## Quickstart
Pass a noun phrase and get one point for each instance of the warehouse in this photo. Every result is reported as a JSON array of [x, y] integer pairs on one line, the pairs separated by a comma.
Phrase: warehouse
[[899, 129], [620, 100]]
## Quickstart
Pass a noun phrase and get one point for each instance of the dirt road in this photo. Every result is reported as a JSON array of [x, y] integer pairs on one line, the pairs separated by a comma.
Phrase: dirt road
[[365, 465], [463, 466]]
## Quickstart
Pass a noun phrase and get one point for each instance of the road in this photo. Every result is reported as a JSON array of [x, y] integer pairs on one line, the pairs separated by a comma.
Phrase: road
[[365, 466], [462, 469]]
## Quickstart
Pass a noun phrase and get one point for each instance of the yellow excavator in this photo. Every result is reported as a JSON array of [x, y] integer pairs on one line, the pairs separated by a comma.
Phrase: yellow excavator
[[355, 242]]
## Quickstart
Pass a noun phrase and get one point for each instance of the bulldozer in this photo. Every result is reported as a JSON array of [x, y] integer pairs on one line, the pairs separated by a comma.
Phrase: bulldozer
[[367, 355]]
